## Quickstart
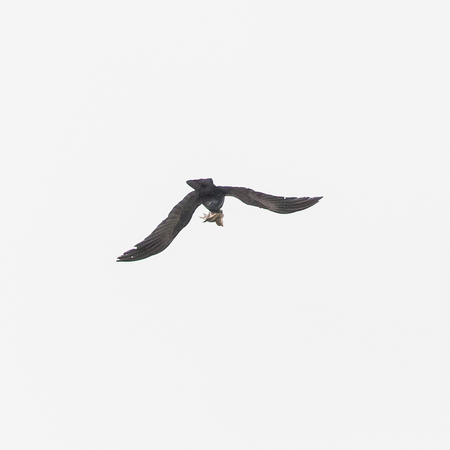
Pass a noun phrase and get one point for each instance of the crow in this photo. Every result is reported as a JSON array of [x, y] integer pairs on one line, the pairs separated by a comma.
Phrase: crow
[[212, 197]]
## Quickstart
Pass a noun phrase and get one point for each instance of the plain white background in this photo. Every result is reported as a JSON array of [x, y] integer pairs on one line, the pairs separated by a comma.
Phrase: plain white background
[[325, 329]]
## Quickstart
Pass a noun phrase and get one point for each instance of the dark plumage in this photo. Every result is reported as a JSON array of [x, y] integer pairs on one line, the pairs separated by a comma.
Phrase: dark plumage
[[212, 197]]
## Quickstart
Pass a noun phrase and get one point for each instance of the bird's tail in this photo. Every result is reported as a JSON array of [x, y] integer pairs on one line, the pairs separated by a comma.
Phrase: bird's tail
[[200, 183]]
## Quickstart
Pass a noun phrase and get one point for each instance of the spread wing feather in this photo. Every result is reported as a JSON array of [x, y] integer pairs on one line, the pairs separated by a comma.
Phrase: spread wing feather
[[281, 205], [166, 231]]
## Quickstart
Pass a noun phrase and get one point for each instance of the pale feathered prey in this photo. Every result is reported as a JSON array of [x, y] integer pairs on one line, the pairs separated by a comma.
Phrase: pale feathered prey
[[212, 197]]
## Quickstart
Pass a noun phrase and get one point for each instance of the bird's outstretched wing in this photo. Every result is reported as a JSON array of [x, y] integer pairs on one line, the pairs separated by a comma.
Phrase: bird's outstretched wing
[[281, 205], [166, 231]]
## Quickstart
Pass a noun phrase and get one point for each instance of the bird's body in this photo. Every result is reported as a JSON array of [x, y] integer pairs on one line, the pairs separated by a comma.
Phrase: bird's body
[[212, 197]]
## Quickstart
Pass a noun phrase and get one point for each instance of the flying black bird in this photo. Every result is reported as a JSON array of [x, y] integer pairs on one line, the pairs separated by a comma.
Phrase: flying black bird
[[212, 197]]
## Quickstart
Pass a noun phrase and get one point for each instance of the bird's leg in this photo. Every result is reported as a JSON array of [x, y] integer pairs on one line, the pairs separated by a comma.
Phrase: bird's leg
[[214, 217]]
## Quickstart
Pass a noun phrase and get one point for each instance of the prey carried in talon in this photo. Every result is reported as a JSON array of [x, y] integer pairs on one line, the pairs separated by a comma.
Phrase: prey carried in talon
[[213, 217]]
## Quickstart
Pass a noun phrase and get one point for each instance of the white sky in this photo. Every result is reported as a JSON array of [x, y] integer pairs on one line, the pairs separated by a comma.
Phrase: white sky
[[325, 329]]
